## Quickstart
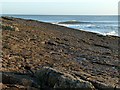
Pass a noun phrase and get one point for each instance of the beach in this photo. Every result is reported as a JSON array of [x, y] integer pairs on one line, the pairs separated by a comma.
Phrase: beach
[[83, 55]]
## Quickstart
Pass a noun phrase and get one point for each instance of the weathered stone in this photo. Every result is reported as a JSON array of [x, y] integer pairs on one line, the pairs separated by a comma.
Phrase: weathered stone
[[56, 79]]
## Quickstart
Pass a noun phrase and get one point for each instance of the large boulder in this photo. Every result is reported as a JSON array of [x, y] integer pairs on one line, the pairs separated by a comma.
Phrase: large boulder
[[55, 79]]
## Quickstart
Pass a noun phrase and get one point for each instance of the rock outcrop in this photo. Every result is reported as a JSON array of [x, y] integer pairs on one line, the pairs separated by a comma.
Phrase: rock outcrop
[[46, 77], [55, 79]]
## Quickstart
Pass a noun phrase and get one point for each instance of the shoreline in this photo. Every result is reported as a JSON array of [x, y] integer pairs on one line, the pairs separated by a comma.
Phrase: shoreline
[[65, 52], [66, 26]]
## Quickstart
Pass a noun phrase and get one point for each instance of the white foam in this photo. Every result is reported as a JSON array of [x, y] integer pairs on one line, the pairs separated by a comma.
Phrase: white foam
[[90, 25], [73, 20], [112, 33]]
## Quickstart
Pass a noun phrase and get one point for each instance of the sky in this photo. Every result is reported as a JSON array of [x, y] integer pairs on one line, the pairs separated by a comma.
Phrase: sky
[[59, 7]]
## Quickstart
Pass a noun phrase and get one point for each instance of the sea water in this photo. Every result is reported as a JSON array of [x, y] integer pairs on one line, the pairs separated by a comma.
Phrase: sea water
[[105, 25]]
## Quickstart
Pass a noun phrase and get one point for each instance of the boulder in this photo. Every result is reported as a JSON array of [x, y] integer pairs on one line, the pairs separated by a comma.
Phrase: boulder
[[56, 79]]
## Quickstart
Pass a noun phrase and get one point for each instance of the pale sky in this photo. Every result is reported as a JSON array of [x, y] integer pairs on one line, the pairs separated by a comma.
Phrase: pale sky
[[60, 7]]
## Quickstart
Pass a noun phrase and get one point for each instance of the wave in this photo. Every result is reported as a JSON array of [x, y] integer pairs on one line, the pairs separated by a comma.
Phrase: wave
[[100, 29], [92, 26], [73, 22], [112, 33], [87, 22]]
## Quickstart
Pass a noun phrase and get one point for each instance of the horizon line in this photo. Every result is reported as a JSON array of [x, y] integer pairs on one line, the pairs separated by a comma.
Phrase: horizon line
[[65, 14]]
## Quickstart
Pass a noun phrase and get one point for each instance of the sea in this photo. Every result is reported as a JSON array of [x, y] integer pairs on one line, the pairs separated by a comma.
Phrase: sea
[[101, 24]]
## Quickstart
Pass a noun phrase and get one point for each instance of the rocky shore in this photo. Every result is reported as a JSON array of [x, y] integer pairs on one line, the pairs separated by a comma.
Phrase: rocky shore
[[37, 55]]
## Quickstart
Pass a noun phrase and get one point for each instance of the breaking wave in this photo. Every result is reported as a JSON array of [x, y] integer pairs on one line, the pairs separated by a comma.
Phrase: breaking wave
[[73, 22]]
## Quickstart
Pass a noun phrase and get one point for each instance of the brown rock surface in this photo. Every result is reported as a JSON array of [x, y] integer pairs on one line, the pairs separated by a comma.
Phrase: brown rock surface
[[55, 79], [89, 56]]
